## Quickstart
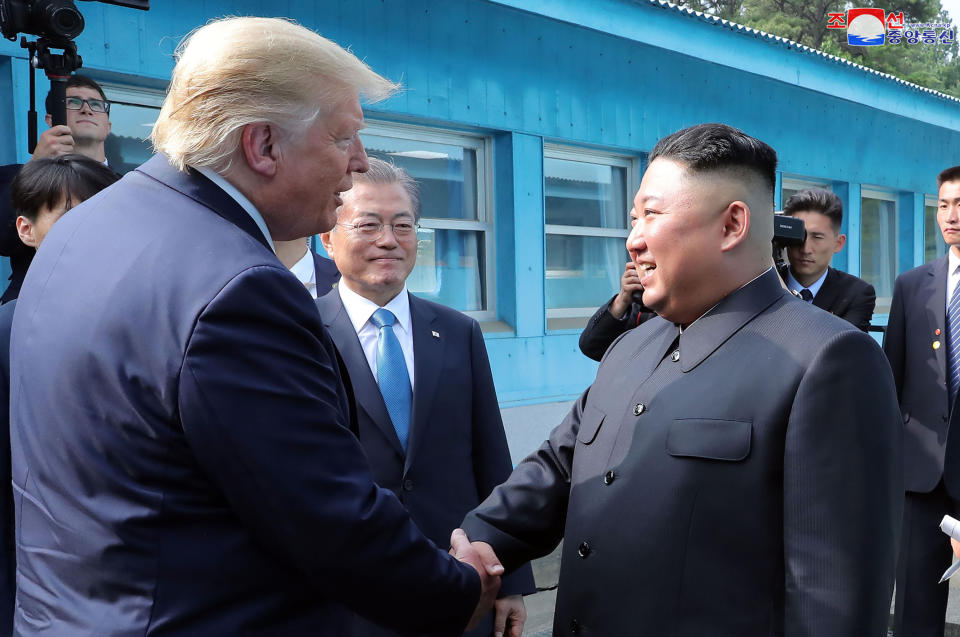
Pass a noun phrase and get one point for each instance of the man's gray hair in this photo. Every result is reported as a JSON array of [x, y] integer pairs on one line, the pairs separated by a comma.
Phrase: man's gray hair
[[384, 172]]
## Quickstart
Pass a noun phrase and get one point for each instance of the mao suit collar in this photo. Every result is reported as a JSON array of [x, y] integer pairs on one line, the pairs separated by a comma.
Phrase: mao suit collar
[[713, 329]]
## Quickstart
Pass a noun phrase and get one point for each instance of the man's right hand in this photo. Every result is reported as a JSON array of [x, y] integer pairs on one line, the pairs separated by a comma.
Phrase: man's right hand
[[481, 557], [629, 283], [55, 141]]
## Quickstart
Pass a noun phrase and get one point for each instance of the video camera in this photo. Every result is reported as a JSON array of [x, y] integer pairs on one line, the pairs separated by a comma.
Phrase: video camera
[[55, 23], [787, 231]]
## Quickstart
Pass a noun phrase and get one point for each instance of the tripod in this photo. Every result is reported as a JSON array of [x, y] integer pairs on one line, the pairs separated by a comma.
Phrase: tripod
[[58, 67]]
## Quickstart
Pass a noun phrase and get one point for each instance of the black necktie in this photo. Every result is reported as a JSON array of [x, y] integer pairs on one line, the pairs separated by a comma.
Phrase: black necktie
[[806, 295]]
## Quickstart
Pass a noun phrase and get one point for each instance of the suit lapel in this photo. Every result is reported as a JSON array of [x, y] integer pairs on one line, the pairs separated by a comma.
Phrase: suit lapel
[[365, 387], [827, 295], [936, 310], [427, 365], [203, 191]]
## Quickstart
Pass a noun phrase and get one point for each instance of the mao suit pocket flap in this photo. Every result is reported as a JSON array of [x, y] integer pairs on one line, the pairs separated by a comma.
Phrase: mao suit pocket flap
[[709, 438], [590, 422]]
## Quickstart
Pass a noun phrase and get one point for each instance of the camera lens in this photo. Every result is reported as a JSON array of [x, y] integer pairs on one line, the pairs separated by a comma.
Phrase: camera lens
[[54, 19]]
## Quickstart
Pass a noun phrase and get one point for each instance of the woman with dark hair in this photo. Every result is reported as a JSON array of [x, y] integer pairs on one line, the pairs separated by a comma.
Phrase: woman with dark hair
[[41, 193], [44, 189]]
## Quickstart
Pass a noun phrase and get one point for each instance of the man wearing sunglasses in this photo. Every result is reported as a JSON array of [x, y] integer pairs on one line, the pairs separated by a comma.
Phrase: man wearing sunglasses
[[86, 130]]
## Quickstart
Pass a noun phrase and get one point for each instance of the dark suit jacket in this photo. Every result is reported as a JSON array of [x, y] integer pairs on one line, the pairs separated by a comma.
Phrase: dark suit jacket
[[457, 451], [325, 273], [603, 328], [765, 469], [8, 566], [185, 467], [10, 245], [847, 296], [918, 322]]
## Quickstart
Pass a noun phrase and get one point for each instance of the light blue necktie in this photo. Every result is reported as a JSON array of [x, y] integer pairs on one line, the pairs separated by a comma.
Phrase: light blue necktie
[[392, 374], [953, 336]]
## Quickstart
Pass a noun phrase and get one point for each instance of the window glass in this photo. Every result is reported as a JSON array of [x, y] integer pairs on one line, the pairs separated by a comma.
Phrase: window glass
[[584, 194], [587, 195], [933, 244], [878, 247], [454, 266]]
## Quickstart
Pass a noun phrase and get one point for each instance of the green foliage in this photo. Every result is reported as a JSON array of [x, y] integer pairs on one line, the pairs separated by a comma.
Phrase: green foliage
[[935, 66]]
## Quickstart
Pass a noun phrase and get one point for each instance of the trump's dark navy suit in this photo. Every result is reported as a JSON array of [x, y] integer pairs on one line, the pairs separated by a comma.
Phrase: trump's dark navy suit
[[185, 467], [740, 480], [457, 451], [915, 343]]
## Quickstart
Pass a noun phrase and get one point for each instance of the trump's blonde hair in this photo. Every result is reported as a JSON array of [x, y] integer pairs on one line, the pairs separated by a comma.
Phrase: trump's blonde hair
[[238, 71]]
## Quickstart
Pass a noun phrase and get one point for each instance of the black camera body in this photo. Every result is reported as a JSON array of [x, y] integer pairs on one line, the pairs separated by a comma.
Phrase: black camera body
[[787, 231], [55, 23], [57, 20]]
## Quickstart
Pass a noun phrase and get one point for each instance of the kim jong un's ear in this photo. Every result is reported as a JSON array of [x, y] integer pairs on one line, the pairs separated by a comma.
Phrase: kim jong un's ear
[[260, 144], [735, 225]]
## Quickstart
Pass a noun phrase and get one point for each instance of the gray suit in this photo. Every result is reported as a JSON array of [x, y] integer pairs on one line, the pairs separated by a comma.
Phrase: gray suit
[[757, 457]]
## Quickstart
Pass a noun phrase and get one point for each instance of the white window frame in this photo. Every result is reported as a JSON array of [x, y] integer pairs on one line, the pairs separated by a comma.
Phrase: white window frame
[[934, 202], [483, 146], [630, 164], [800, 183], [877, 192]]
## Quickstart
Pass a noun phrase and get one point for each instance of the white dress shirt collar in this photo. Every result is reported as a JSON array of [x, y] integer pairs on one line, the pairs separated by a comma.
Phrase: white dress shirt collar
[[360, 308], [306, 273], [239, 197], [814, 287], [953, 276]]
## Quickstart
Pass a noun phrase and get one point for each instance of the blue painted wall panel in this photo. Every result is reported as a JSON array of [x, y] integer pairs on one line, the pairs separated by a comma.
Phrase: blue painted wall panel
[[528, 72]]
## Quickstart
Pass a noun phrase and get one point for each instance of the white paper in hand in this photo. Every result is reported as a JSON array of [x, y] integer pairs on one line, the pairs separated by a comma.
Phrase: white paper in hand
[[950, 526]]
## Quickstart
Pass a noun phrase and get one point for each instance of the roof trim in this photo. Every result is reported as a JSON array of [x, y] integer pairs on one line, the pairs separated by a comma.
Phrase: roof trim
[[791, 44]]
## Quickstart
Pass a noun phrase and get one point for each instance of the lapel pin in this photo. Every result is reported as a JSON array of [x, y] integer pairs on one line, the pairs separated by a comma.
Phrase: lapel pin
[[936, 345], [435, 334], [936, 332]]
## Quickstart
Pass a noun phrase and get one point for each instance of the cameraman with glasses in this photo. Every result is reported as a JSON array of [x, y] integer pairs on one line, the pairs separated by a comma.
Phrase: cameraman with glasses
[[87, 128]]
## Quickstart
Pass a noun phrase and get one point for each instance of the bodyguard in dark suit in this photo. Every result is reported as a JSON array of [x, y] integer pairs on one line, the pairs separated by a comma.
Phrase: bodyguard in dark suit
[[318, 274], [734, 470], [810, 275], [922, 342], [186, 466], [442, 449]]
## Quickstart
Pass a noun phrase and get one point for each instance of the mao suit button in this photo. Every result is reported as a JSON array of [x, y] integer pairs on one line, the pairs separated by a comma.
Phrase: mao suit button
[[609, 477], [639, 408], [408, 485], [583, 550], [574, 627]]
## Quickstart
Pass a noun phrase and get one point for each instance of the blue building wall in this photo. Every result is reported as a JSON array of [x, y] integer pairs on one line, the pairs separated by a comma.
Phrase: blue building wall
[[610, 74]]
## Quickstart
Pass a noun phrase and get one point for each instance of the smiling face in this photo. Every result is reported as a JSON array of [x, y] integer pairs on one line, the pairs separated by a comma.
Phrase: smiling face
[[373, 268], [809, 261], [948, 214], [676, 241]]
